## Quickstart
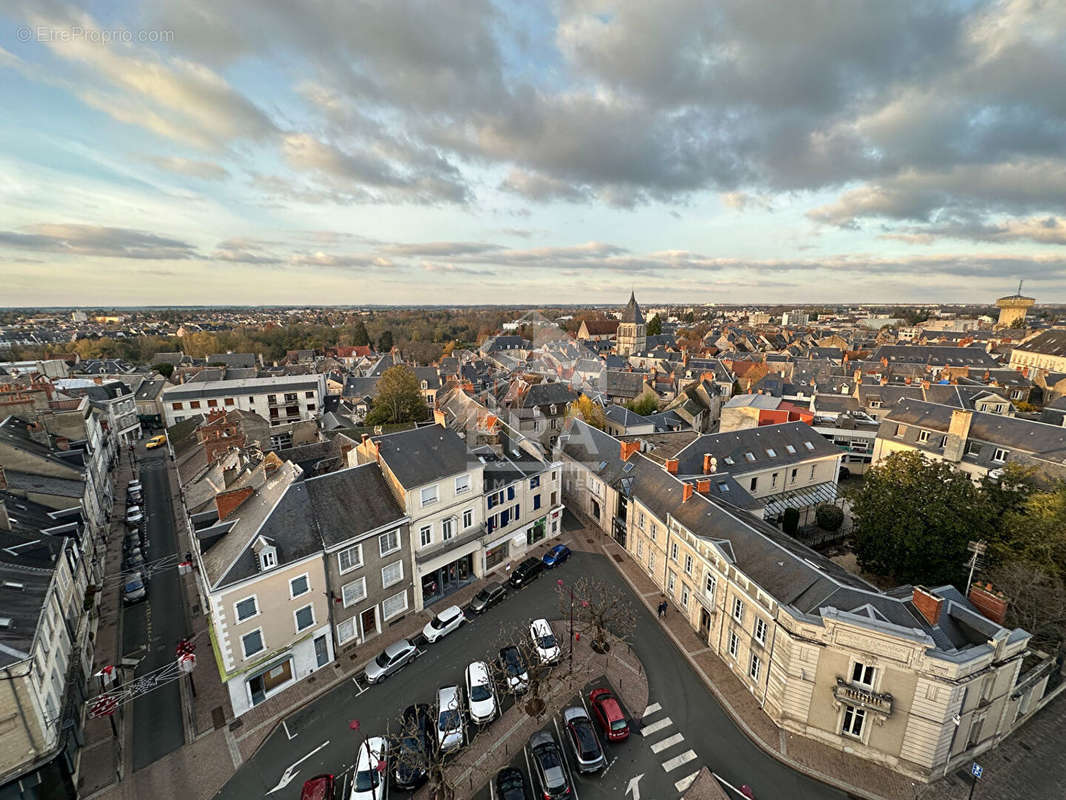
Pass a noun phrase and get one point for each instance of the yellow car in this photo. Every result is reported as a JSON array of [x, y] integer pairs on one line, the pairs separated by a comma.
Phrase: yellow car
[[156, 441]]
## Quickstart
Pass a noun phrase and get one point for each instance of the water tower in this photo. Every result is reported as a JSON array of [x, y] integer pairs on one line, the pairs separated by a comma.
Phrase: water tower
[[1013, 308]]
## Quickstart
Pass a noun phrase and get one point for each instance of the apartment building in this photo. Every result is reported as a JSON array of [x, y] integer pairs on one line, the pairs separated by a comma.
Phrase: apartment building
[[592, 471], [974, 442], [915, 679], [113, 400], [1046, 350], [283, 399], [48, 618]]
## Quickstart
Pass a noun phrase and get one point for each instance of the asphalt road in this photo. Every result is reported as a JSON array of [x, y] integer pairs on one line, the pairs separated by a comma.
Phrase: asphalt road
[[152, 629], [319, 738]]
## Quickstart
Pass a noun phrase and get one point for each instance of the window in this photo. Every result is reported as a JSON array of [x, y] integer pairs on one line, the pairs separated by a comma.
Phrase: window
[[252, 643], [753, 484], [534, 482], [809, 446], [305, 618], [760, 631], [468, 518], [688, 564], [346, 630], [299, 586], [863, 675], [425, 535], [749, 455], [536, 502], [176, 406], [510, 493], [446, 529], [392, 574], [671, 580], [923, 437], [853, 720], [429, 495], [900, 430], [246, 608], [640, 548], [754, 667], [773, 480], [651, 560], [673, 551], [738, 609], [389, 542], [814, 467], [943, 441], [684, 595], [973, 448], [462, 484], [710, 585], [194, 404], [229, 401], [640, 520], [795, 471], [309, 395], [391, 606], [1000, 455], [354, 592], [734, 644], [350, 558], [212, 403]]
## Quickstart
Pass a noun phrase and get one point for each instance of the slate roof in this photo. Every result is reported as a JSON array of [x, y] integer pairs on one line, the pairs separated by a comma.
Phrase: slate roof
[[355, 387], [193, 391], [598, 450], [423, 455], [624, 384], [632, 312], [623, 416], [351, 502], [232, 359], [768, 446], [934, 355], [1051, 342], [548, 394]]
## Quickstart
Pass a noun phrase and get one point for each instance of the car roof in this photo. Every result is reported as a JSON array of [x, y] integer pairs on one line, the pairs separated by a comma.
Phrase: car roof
[[541, 737], [398, 647], [447, 693], [574, 712], [610, 702], [450, 611], [530, 561], [541, 625], [478, 672], [316, 788]]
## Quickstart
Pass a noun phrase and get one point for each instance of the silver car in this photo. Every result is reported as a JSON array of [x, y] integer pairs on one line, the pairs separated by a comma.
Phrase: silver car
[[396, 655], [450, 725], [585, 744]]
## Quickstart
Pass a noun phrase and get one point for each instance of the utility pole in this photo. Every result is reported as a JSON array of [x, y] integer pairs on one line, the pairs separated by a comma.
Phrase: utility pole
[[978, 549]]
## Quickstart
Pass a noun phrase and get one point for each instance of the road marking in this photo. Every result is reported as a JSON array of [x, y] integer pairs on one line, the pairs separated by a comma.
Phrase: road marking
[[655, 727], [291, 771], [677, 761], [651, 710], [658, 747], [634, 786], [290, 735], [684, 784], [359, 686]]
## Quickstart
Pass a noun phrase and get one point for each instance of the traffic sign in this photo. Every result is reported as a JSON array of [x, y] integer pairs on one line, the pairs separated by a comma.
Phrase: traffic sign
[[977, 770]]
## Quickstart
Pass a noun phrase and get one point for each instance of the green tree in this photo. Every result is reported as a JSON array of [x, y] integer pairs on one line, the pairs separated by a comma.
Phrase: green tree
[[645, 404], [398, 398], [360, 337], [914, 517], [385, 341], [591, 412], [164, 369], [655, 326]]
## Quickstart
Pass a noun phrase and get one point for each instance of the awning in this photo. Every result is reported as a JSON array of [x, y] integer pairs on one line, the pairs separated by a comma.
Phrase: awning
[[801, 498]]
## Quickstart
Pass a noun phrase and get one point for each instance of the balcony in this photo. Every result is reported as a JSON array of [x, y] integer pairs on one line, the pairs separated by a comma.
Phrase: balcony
[[455, 542], [853, 695]]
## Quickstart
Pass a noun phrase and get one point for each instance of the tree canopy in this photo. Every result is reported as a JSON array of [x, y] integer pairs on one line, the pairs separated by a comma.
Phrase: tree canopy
[[655, 326], [645, 404], [398, 398], [590, 411]]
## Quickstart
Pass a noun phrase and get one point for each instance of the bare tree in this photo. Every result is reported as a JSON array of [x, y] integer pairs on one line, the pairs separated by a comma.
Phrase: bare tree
[[416, 754], [1036, 601], [522, 671], [599, 608]]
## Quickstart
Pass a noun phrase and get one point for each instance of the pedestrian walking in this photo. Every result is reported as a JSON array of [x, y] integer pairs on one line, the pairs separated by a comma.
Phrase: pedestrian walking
[[662, 609]]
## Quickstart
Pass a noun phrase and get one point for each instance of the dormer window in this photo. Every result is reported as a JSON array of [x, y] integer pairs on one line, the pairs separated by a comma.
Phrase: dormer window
[[268, 558]]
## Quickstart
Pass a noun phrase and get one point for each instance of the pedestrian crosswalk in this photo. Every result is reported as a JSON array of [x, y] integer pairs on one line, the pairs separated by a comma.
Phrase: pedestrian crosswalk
[[665, 739]]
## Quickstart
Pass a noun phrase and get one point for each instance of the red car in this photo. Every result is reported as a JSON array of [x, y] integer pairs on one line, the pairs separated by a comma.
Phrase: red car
[[608, 713], [319, 787]]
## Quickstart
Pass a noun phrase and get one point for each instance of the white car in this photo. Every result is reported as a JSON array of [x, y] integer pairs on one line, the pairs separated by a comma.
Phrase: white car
[[444, 623], [544, 641], [450, 726], [481, 693], [371, 769], [133, 515]]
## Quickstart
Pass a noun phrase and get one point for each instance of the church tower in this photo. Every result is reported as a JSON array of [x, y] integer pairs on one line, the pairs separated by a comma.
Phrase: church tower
[[632, 330]]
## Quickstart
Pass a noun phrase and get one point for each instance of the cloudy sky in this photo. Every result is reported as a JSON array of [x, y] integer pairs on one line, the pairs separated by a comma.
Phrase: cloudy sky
[[347, 151]]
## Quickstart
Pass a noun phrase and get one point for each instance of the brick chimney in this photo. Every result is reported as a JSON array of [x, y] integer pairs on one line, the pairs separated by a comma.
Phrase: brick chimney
[[925, 384], [884, 380], [703, 486], [927, 603], [958, 430], [686, 492], [710, 464], [671, 465], [989, 602], [629, 448]]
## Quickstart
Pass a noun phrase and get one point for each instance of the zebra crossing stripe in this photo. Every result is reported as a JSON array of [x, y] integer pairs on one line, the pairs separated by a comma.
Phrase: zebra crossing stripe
[[651, 710], [684, 784], [655, 727], [677, 761], [658, 747]]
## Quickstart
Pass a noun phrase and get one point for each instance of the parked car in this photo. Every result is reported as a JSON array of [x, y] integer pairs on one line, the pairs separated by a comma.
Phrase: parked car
[[547, 760], [134, 515], [511, 784], [481, 693], [410, 760], [134, 484], [526, 571], [156, 441], [588, 753], [444, 623], [544, 641], [556, 556], [395, 656], [134, 560], [320, 787], [513, 665], [133, 496], [608, 713], [487, 597], [134, 591], [450, 727], [371, 777]]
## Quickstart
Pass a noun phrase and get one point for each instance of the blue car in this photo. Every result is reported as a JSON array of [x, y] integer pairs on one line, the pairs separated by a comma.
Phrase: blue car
[[556, 556]]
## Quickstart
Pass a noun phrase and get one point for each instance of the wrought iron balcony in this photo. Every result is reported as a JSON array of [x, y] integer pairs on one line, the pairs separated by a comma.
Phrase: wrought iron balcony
[[853, 695]]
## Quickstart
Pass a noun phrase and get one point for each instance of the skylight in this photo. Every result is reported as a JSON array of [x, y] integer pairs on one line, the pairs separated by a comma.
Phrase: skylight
[[791, 450], [771, 452], [808, 445], [729, 460], [749, 455]]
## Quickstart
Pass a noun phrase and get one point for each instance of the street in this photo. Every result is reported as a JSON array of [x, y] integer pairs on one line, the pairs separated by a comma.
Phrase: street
[[684, 727], [152, 629]]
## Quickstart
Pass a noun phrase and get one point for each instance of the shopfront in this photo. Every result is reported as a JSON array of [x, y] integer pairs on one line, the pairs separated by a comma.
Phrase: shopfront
[[439, 583], [495, 556]]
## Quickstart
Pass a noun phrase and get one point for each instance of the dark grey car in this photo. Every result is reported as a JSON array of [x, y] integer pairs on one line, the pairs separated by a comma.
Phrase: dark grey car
[[548, 765], [488, 597]]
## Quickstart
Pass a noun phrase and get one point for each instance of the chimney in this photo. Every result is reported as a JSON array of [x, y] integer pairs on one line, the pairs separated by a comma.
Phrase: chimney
[[710, 464], [629, 448], [989, 602], [884, 380], [907, 380], [703, 486], [686, 492], [857, 376], [5, 520], [671, 466], [927, 603], [884, 361]]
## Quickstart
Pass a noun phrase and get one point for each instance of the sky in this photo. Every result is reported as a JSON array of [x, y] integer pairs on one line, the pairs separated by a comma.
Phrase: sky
[[468, 151]]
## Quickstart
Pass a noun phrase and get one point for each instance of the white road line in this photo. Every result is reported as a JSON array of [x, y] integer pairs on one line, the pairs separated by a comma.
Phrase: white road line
[[655, 727], [677, 761], [651, 710], [658, 747], [290, 735], [359, 686], [684, 784]]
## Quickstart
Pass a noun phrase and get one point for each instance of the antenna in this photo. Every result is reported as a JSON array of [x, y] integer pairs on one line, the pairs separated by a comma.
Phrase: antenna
[[1020, 286]]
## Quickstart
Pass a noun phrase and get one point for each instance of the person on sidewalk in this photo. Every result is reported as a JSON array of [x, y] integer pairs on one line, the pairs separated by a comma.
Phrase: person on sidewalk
[[662, 609]]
